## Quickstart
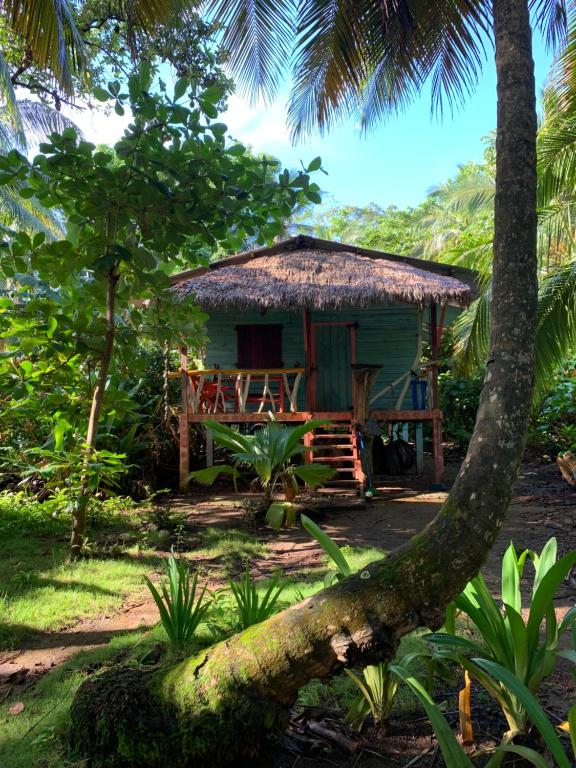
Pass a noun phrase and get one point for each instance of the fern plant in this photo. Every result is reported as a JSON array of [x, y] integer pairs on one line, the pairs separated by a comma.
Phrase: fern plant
[[181, 611]]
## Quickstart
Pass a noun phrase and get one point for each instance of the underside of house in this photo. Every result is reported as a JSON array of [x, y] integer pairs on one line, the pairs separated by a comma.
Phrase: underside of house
[[312, 329]]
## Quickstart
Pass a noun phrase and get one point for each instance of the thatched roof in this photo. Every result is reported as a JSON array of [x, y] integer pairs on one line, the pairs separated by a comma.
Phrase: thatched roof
[[318, 274]]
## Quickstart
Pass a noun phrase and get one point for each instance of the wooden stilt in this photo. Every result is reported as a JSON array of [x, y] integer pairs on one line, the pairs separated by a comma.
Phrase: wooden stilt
[[209, 448], [419, 440]]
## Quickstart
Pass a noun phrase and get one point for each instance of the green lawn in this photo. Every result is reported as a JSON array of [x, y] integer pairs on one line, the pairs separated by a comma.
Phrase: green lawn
[[39, 590]]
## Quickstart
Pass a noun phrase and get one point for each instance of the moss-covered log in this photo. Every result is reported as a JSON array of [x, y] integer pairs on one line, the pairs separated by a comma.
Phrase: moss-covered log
[[213, 708]]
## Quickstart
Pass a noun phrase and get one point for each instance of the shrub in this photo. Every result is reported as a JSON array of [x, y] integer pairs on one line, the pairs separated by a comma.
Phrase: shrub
[[459, 403]]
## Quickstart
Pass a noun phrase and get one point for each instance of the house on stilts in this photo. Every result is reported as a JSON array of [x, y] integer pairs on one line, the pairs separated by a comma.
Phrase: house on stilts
[[312, 329]]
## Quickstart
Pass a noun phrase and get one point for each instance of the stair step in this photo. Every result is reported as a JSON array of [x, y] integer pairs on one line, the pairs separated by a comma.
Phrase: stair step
[[340, 483], [331, 446], [331, 459], [333, 436]]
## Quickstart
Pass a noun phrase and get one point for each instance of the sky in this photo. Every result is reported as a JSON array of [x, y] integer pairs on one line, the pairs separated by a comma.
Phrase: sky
[[396, 164]]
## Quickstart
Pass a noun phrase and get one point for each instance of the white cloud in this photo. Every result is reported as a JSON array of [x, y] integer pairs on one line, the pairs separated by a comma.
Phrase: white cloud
[[260, 126], [99, 126]]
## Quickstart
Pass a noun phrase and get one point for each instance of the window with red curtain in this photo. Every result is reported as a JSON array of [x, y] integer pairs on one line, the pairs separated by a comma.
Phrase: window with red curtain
[[259, 346]]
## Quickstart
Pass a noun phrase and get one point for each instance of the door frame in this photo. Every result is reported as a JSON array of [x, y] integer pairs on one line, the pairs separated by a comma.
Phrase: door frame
[[353, 329]]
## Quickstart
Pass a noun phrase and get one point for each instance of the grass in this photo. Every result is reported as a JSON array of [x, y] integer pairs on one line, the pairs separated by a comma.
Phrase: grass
[[39, 590], [36, 737], [230, 547]]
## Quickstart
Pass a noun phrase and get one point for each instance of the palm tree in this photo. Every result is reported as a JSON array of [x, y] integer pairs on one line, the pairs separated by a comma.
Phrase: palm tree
[[37, 120], [370, 57]]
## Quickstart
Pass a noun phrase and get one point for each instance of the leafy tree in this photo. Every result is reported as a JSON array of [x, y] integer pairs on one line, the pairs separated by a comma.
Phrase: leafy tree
[[371, 56], [389, 229], [170, 187]]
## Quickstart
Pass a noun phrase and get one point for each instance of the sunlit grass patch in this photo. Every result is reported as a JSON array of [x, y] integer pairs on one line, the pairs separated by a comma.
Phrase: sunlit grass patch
[[229, 548], [39, 590]]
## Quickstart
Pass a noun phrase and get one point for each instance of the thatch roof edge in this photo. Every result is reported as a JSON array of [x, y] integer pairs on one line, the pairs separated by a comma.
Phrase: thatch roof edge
[[467, 276]]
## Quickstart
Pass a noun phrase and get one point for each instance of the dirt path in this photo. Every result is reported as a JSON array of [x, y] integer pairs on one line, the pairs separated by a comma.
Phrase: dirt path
[[543, 506]]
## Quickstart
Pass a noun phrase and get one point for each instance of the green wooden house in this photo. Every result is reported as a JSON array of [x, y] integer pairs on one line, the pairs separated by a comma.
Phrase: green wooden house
[[308, 329]]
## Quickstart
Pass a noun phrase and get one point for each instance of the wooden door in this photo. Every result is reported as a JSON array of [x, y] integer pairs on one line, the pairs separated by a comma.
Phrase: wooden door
[[333, 368]]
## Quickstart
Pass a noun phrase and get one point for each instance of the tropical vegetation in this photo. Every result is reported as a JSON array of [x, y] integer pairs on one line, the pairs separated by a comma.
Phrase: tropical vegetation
[[91, 236]]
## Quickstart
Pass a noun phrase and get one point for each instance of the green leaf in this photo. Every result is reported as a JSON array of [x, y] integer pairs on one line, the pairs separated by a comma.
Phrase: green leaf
[[209, 475], [279, 512], [453, 753], [101, 94], [180, 87], [572, 727], [543, 597], [511, 579], [313, 475], [525, 752], [52, 325], [328, 545], [314, 165], [531, 705]]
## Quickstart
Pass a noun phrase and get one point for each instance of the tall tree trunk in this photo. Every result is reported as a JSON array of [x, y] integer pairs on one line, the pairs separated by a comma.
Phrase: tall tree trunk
[[216, 705], [79, 515]]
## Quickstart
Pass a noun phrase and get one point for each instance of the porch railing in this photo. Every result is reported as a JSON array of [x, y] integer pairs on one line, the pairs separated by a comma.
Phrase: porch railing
[[243, 391]]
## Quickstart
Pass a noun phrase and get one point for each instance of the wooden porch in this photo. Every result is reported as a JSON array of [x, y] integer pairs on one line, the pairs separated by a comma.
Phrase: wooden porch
[[250, 396]]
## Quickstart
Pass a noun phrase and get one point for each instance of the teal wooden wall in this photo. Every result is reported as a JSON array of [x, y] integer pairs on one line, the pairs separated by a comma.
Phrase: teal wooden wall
[[386, 335]]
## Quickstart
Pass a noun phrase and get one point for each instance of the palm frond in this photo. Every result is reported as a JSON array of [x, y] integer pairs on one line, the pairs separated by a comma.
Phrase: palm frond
[[40, 120], [556, 332], [551, 19], [148, 14], [258, 37], [10, 105], [49, 29], [471, 336], [330, 61]]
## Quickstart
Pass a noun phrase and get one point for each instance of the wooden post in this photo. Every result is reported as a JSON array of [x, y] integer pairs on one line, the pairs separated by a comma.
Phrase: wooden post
[[209, 448], [437, 423], [184, 427], [308, 362]]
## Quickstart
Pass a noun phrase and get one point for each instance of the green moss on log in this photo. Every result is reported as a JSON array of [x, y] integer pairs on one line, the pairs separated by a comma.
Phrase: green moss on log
[[128, 718]]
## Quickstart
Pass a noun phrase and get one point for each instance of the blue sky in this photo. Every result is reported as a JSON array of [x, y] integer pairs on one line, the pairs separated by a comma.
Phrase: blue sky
[[399, 161], [396, 164]]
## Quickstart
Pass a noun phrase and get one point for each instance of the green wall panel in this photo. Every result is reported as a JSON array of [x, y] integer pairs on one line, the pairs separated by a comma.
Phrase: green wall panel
[[386, 335]]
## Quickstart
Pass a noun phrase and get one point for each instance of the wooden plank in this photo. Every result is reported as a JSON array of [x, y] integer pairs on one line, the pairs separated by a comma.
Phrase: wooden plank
[[235, 371], [428, 415], [255, 418]]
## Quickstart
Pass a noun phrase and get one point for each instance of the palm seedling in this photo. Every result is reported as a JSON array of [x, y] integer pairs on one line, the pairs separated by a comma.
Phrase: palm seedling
[[272, 453], [252, 606], [181, 610]]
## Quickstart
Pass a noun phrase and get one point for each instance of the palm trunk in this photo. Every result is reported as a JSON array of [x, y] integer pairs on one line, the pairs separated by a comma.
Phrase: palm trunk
[[79, 516], [215, 706]]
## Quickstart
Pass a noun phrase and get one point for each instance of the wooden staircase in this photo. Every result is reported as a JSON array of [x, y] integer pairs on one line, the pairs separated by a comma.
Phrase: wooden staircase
[[336, 444]]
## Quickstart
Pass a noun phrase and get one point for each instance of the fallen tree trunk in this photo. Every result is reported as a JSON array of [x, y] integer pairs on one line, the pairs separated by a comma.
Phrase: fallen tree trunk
[[213, 709]]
